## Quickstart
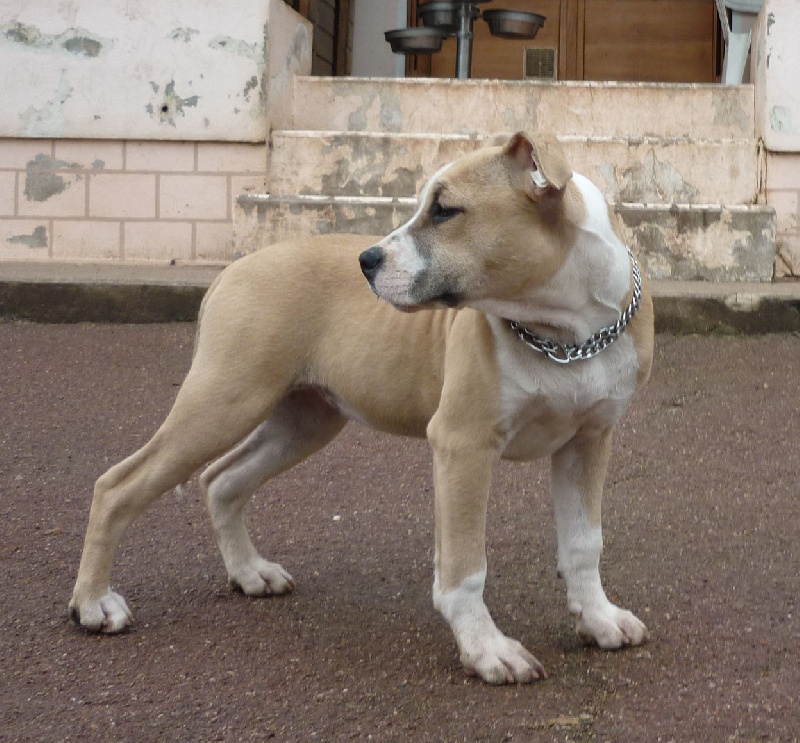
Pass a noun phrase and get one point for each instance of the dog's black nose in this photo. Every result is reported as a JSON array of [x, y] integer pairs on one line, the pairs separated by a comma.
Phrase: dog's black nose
[[371, 260]]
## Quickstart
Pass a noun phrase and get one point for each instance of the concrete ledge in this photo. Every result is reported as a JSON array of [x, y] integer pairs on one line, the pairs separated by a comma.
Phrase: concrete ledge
[[70, 293], [704, 307], [114, 293], [54, 302]]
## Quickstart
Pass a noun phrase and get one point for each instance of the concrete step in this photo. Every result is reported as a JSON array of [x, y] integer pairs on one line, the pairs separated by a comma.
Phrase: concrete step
[[646, 169], [587, 109], [710, 242]]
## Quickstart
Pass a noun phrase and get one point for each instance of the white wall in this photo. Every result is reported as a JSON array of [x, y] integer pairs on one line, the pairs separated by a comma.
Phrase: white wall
[[139, 69], [775, 68], [372, 56]]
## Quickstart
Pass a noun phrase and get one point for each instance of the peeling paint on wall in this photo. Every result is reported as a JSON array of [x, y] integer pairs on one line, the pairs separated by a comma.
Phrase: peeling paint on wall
[[48, 119], [77, 41], [249, 86], [42, 179], [38, 239], [182, 34], [237, 47], [83, 68], [780, 120], [390, 110]]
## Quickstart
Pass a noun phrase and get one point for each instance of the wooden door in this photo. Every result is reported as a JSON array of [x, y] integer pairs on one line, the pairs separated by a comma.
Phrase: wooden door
[[650, 40], [638, 40]]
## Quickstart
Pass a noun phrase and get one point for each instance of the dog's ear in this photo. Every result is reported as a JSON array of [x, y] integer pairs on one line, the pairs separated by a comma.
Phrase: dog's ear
[[541, 159]]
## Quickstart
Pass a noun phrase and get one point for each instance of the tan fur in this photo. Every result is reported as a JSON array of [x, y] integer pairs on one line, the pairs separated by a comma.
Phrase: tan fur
[[291, 344]]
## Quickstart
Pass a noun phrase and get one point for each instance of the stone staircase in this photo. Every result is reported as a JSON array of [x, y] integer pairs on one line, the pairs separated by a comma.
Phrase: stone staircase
[[679, 163]]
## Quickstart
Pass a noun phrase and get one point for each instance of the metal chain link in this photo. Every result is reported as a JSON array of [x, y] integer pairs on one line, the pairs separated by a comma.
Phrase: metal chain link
[[563, 353]]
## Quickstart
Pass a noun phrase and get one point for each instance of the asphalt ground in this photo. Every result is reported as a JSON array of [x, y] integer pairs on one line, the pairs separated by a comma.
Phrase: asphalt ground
[[702, 526]]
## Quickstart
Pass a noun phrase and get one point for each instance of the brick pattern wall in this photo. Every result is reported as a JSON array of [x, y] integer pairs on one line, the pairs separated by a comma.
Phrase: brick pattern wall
[[783, 194], [108, 200]]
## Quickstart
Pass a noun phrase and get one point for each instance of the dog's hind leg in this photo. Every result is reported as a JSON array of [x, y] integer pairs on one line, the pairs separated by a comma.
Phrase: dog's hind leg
[[214, 411], [300, 424]]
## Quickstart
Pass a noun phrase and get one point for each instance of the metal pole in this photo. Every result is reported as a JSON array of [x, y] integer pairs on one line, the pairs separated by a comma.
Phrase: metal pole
[[464, 42]]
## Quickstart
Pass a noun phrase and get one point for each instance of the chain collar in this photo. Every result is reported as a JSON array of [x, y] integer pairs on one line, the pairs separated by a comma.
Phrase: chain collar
[[563, 353]]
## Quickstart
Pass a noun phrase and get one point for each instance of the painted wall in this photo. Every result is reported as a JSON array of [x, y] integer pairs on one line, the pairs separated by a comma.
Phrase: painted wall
[[138, 69], [775, 64], [83, 88], [372, 56]]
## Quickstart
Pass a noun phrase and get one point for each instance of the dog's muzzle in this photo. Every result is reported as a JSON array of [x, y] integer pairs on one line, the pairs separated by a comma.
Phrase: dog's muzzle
[[371, 261]]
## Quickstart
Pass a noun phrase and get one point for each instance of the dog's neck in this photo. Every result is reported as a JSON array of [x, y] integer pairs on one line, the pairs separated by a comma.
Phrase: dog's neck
[[565, 352], [590, 290]]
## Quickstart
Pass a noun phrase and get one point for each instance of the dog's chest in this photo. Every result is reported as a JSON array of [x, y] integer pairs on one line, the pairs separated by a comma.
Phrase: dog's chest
[[545, 404]]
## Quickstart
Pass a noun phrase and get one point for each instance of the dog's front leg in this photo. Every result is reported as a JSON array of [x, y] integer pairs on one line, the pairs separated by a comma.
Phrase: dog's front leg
[[578, 473], [462, 474]]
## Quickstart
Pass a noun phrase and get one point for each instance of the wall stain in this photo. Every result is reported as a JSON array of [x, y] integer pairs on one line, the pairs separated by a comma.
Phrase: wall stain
[[727, 112], [77, 41], [182, 34], [36, 240], [83, 46], [49, 119], [249, 86], [238, 47], [42, 179], [780, 120]]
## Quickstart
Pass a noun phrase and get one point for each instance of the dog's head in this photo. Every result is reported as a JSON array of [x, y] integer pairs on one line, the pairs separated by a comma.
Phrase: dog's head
[[488, 229]]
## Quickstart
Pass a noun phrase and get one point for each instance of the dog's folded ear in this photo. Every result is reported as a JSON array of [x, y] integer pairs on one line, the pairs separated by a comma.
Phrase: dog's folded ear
[[541, 160]]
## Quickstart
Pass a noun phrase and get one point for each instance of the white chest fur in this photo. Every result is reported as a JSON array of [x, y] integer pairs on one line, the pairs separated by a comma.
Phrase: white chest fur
[[545, 404]]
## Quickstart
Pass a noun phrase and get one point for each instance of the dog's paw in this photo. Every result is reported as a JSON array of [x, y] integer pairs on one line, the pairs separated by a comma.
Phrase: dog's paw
[[498, 659], [260, 577], [108, 614], [610, 627]]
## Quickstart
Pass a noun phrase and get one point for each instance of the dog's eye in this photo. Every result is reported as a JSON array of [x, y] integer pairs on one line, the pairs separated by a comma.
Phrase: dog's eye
[[440, 213]]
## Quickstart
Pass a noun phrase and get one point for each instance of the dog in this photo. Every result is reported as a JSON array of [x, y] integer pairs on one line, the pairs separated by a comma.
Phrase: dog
[[524, 329]]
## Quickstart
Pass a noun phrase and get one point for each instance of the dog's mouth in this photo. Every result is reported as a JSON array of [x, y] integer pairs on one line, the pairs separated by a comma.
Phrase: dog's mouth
[[410, 293], [447, 300]]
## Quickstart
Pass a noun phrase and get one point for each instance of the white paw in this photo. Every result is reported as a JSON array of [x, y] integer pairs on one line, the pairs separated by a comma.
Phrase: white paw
[[610, 627], [498, 659], [485, 650], [259, 577], [108, 614]]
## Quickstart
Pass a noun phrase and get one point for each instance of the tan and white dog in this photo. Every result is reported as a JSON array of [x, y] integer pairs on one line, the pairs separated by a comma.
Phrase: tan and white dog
[[291, 344]]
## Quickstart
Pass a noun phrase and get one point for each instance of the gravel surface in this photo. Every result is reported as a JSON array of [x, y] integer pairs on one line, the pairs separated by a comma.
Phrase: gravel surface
[[702, 526]]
